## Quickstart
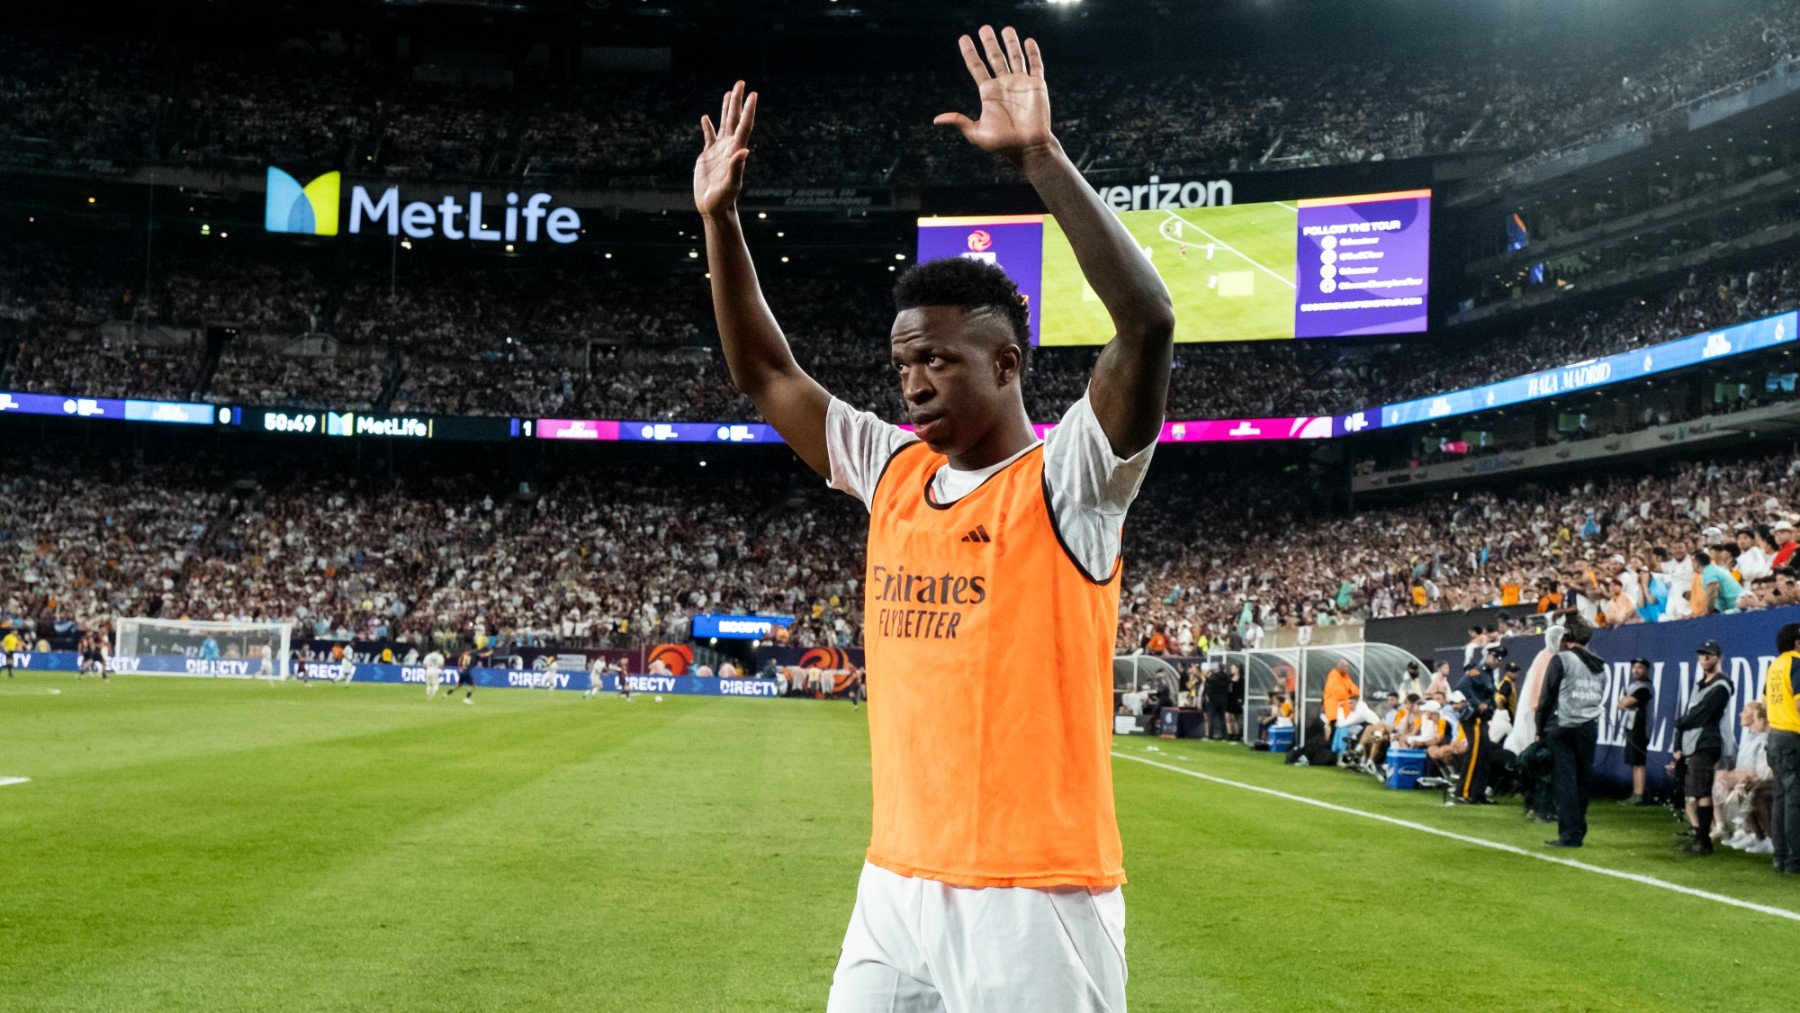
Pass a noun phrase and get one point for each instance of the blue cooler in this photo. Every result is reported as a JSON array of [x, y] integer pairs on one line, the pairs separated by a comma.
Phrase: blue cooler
[[1405, 767], [1281, 739]]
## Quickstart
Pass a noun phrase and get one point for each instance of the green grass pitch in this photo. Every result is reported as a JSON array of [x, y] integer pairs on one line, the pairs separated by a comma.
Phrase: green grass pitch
[[191, 844], [1235, 282]]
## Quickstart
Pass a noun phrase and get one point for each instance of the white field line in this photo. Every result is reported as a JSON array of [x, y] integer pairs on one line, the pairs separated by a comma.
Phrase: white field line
[[1223, 245], [1633, 877], [4, 781]]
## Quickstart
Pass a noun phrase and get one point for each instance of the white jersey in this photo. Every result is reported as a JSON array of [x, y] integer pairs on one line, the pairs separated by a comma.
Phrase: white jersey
[[1089, 486], [434, 662]]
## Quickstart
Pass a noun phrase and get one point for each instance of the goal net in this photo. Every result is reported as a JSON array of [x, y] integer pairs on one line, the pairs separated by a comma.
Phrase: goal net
[[247, 650]]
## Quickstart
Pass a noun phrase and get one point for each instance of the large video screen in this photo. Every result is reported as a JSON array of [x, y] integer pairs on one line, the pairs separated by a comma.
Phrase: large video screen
[[1323, 267]]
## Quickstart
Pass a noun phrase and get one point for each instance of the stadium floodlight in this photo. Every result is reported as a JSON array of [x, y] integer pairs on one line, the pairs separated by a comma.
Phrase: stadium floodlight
[[196, 647]]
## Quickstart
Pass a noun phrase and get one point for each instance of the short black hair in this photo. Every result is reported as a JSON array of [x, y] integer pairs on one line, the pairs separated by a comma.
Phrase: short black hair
[[967, 284], [1787, 638], [1576, 631]]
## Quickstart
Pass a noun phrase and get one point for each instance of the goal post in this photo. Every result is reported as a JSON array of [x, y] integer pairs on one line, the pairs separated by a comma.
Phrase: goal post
[[201, 647]]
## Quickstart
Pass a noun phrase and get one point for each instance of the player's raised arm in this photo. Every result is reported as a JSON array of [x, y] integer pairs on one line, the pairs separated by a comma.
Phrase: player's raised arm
[[762, 365], [1131, 380]]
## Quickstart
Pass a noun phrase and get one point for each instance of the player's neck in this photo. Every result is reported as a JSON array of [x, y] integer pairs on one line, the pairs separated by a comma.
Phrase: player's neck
[[1010, 434]]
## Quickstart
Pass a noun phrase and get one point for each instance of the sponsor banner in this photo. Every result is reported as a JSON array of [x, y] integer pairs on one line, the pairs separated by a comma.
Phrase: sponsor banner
[[1223, 430], [57, 404], [1680, 353], [737, 627], [1123, 188], [485, 678], [305, 422], [828, 198], [176, 412], [1355, 422], [1748, 643], [698, 432], [314, 209], [577, 429]]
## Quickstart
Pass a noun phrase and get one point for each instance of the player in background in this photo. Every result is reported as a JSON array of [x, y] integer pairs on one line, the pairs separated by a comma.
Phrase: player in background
[[93, 655], [265, 666], [11, 646], [465, 677], [434, 672], [346, 669], [596, 677], [993, 870], [858, 689], [625, 681]]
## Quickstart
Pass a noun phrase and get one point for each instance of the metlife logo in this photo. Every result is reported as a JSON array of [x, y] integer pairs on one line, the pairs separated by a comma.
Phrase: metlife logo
[[313, 209], [354, 424]]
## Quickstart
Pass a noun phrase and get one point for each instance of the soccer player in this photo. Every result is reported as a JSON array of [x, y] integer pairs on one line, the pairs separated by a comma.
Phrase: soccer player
[[625, 681], [93, 656], [434, 672], [465, 678], [596, 677], [993, 870]]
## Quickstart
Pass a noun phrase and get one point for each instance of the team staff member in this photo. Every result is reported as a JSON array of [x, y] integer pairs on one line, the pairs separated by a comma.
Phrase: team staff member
[[11, 645], [1636, 703], [1340, 689], [1568, 721], [1781, 698], [1484, 686], [993, 870], [1705, 738]]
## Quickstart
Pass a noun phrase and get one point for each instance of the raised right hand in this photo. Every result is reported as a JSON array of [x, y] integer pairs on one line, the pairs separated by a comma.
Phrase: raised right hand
[[719, 171]]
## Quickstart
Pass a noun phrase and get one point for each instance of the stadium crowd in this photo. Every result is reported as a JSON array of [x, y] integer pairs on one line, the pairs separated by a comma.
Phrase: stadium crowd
[[604, 559], [1615, 550], [125, 102], [610, 557], [610, 344]]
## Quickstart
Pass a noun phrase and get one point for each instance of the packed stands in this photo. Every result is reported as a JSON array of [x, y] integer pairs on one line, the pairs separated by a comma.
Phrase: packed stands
[[127, 102]]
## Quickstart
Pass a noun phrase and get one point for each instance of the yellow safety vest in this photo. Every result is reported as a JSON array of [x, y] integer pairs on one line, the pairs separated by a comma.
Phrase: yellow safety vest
[[1778, 694]]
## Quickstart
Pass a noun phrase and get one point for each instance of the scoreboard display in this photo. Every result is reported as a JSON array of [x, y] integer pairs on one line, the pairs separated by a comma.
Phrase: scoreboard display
[[1321, 267]]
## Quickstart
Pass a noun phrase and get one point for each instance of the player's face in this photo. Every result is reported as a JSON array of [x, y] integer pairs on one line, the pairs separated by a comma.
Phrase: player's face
[[955, 371]]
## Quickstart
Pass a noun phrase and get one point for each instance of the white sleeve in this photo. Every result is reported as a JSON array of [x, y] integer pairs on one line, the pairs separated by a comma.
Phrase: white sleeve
[[1090, 487], [859, 445]]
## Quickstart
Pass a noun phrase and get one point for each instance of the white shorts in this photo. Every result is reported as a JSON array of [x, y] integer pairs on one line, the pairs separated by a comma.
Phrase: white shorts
[[917, 944]]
